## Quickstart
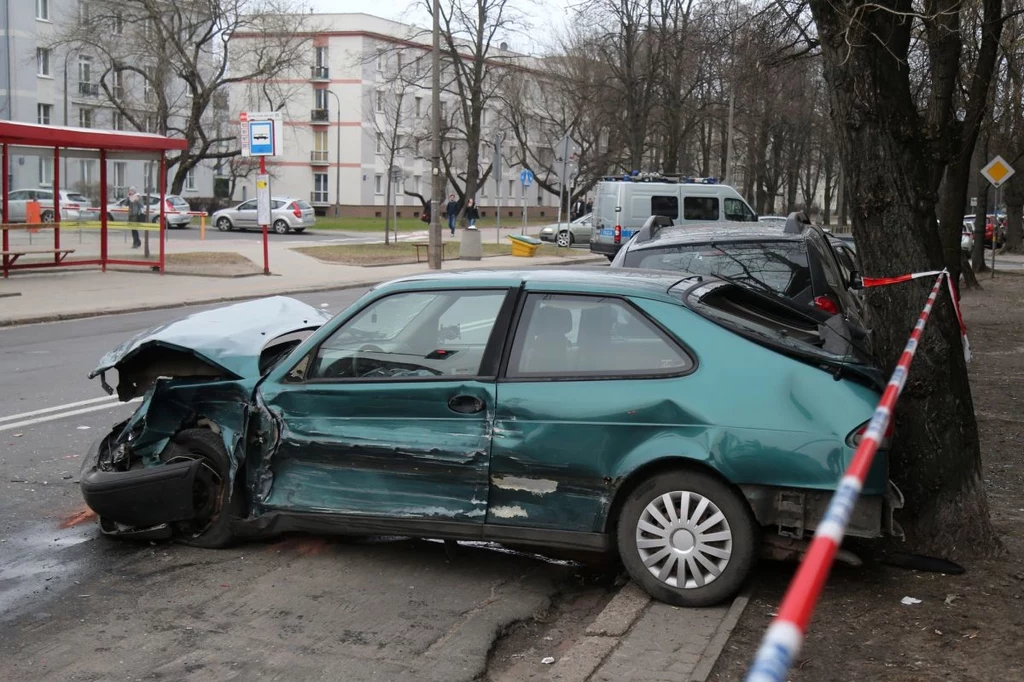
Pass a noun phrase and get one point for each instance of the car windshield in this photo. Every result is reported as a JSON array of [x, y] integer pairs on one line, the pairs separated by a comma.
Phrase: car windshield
[[781, 266]]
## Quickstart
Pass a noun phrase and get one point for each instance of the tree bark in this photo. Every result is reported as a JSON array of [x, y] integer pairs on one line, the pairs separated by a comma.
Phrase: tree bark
[[935, 459], [1013, 193]]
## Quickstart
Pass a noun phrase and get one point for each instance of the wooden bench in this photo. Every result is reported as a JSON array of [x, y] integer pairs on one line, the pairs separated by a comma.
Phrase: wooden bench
[[15, 254], [419, 246]]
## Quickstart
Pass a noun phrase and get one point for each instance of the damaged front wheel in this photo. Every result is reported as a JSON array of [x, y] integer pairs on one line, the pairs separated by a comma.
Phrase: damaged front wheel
[[213, 502]]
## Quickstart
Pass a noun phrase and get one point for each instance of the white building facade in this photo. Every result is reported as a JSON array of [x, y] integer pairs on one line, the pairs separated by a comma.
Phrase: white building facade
[[339, 124], [45, 85]]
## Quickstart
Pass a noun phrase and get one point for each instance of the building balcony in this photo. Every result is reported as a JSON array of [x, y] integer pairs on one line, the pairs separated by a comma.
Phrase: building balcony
[[318, 158], [319, 199], [319, 73], [89, 89], [321, 116]]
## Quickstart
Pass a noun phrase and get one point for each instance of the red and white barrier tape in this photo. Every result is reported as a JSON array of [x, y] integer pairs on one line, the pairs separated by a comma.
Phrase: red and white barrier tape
[[785, 636]]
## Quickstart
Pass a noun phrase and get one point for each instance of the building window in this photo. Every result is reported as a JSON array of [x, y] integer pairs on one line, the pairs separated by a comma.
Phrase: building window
[[380, 143], [398, 57], [118, 86], [483, 189], [42, 61], [378, 184], [46, 171], [43, 10], [190, 180], [43, 113], [117, 120], [380, 101], [118, 24], [120, 179], [321, 57], [381, 60], [320, 140], [85, 118], [444, 108], [87, 172], [85, 70], [320, 195], [148, 94], [399, 145], [147, 176], [419, 107], [320, 97], [83, 11], [511, 188]]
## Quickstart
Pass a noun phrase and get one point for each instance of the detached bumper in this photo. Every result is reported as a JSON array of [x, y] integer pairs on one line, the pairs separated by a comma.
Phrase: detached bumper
[[139, 498], [605, 248]]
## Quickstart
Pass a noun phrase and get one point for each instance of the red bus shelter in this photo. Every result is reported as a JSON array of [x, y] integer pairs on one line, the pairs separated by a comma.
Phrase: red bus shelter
[[78, 141]]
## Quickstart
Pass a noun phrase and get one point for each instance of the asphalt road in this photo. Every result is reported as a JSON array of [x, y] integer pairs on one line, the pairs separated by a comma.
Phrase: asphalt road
[[76, 605]]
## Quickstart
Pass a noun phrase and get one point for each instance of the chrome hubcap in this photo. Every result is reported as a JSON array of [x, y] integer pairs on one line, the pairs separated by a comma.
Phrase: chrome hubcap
[[684, 539], [563, 240]]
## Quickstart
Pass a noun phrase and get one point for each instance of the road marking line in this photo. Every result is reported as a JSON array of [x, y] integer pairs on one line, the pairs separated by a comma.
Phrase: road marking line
[[63, 415], [59, 408]]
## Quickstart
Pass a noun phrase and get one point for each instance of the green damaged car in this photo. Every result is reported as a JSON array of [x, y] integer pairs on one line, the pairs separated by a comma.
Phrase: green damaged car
[[679, 422]]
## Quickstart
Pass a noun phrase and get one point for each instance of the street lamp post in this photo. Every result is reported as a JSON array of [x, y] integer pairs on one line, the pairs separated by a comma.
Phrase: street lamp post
[[337, 171], [434, 240]]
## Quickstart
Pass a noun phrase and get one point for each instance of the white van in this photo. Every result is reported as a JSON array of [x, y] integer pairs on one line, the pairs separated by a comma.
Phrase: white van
[[624, 203]]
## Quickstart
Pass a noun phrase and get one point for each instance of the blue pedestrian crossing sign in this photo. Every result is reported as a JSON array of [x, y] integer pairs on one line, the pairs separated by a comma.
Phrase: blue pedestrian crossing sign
[[526, 177]]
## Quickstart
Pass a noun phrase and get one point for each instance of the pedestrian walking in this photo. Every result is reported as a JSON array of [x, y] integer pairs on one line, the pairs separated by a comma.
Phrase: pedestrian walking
[[452, 211], [590, 205], [577, 208], [472, 214], [135, 214]]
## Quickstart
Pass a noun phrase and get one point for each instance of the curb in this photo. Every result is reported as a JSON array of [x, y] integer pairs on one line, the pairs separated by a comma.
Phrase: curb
[[364, 284], [721, 637]]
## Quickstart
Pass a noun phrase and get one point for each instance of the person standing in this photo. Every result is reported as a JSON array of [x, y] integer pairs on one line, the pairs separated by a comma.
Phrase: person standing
[[135, 214], [590, 205], [472, 214], [452, 211], [577, 208]]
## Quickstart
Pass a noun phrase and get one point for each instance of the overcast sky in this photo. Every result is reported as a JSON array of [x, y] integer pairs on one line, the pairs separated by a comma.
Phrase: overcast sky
[[546, 17]]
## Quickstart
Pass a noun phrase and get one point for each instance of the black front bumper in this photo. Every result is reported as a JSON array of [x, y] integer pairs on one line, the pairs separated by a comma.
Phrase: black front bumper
[[604, 248], [138, 498]]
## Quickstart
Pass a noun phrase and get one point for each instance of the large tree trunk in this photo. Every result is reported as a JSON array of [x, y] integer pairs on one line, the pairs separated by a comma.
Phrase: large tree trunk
[[935, 458], [1013, 193]]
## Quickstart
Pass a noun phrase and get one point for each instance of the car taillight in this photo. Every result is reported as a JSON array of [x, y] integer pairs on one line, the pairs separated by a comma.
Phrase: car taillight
[[826, 304], [71, 207], [168, 206], [618, 234], [296, 210], [853, 440]]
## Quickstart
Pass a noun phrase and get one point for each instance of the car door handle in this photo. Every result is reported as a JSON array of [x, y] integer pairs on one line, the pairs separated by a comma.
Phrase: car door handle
[[466, 404]]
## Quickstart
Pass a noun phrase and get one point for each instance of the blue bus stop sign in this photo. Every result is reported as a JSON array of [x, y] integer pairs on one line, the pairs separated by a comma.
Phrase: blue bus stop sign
[[526, 177]]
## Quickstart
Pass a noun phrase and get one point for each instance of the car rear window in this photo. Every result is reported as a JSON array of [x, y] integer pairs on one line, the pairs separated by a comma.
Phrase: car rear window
[[178, 202], [304, 205], [780, 266], [78, 198]]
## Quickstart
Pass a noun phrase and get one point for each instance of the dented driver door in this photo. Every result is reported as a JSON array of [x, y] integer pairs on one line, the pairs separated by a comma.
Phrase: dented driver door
[[391, 415]]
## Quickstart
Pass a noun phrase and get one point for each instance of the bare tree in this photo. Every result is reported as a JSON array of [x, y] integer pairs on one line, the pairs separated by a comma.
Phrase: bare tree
[[161, 65]]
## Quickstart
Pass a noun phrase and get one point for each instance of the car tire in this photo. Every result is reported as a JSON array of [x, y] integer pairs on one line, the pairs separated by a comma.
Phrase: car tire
[[564, 239], [224, 225], [216, 505], [724, 550], [46, 216], [281, 227]]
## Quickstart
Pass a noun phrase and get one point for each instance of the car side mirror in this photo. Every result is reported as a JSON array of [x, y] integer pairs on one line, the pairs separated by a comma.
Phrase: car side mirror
[[856, 281]]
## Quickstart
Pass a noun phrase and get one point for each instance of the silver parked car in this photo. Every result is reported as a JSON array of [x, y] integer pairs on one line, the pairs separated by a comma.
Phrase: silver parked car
[[567, 234], [72, 205], [287, 215], [176, 210]]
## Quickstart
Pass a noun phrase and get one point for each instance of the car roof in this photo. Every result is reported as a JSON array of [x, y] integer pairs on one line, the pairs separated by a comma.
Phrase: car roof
[[599, 280], [699, 233]]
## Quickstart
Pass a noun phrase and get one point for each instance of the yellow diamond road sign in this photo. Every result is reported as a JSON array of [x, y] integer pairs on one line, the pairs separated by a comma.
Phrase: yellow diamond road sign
[[997, 171]]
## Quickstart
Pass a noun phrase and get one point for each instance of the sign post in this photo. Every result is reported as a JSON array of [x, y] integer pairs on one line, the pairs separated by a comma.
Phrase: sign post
[[261, 135], [525, 179], [997, 172], [566, 157], [499, 138]]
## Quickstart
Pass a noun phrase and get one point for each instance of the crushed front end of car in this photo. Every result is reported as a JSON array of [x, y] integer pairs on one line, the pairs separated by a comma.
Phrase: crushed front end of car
[[196, 375]]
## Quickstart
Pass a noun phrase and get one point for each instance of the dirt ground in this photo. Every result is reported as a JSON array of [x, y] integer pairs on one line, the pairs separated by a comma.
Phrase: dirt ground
[[966, 628]]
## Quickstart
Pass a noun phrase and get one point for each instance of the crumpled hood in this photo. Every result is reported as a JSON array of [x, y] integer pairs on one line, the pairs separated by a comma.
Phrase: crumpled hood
[[225, 341]]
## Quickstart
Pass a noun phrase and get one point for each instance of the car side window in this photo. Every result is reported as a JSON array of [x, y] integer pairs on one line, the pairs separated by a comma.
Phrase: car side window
[[18, 195], [735, 209], [247, 205], [276, 204], [412, 335], [700, 208], [666, 206], [561, 335], [45, 196]]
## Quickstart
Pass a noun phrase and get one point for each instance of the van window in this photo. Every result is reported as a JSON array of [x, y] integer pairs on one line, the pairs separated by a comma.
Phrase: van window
[[666, 206], [700, 208], [737, 210]]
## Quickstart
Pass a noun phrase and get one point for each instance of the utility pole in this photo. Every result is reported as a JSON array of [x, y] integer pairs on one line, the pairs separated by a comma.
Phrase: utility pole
[[434, 253], [337, 171]]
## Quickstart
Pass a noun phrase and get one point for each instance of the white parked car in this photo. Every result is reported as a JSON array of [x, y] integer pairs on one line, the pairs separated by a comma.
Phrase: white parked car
[[287, 215], [72, 205]]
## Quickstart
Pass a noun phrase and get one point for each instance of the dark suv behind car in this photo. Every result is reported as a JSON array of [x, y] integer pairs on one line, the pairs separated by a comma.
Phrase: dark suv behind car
[[794, 260]]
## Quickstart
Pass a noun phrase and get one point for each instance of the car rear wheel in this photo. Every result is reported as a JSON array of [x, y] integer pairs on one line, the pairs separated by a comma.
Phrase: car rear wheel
[[687, 538], [46, 216], [280, 227], [224, 225], [564, 239], [214, 504]]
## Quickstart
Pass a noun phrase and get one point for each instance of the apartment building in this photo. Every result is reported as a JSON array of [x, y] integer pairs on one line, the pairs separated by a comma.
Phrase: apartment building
[[340, 116], [41, 84]]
